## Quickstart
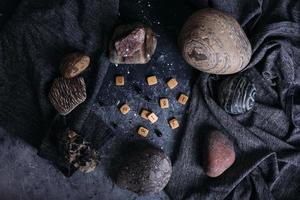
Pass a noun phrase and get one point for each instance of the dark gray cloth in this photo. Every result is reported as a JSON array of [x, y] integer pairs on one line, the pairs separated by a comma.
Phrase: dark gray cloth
[[35, 38], [266, 138]]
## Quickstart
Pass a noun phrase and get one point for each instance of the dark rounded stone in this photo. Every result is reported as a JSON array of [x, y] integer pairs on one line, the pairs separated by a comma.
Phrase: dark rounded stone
[[212, 41], [218, 153], [145, 172], [237, 95]]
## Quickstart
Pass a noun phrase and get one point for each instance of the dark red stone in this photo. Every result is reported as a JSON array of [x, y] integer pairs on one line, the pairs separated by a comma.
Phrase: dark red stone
[[219, 154], [133, 42]]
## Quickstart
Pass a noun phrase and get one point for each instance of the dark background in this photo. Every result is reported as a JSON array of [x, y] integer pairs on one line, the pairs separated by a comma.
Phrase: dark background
[[266, 138]]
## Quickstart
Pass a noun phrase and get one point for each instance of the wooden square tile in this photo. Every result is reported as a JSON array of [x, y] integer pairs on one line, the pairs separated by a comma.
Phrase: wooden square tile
[[164, 103], [151, 80], [144, 114], [143, 131], [183, 99], [120, 80], [152, 118], [174, 123], [172, 83], [125, 109]]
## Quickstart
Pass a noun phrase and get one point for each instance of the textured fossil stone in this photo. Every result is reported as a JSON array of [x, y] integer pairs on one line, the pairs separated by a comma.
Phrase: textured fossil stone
[[213, 42], [79, 153], [132, 44], [236, 95], [67, 94], [73, 64], [219, 154], [146, 172]]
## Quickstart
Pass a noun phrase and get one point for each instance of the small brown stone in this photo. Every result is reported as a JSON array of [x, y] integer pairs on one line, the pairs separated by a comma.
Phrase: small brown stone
[[67, 94], [219, 154], [73, 64], [132, 44]]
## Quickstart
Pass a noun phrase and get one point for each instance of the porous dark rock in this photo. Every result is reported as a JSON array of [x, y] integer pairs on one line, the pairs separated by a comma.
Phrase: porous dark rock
[[236, 95], [213, 42], [219, 154], [79, 152], [132, 44], [67, 94], [74, 64], [145, 172]]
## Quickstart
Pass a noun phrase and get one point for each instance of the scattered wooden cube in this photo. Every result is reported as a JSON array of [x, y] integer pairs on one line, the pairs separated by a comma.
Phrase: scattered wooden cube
[[143, 131], [172, 83], [120, 80], [152, 118], [164, 103], [183, 99], [174, 123], [125, 109], [144, 114], [152, 80]]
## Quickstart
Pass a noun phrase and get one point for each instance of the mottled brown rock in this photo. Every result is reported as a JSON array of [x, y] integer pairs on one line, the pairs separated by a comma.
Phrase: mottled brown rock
[[132, 44], [79, 153], [145, 172], [74, 64], [67, 94], [218, 153], [214, 42]]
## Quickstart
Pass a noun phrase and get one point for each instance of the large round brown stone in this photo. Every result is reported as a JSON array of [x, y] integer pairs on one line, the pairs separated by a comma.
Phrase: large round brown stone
[[214, 42]]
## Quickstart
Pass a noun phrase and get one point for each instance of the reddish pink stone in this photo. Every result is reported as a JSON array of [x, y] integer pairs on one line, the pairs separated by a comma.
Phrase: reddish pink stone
[[219, 154], [133, 42]]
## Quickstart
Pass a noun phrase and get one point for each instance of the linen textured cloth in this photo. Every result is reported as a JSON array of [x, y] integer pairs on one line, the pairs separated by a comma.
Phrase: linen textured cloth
[[39, 33], [266, 138]]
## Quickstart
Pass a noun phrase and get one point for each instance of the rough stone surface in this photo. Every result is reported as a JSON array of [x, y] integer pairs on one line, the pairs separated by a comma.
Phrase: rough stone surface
[[236, 95], [137, 47], [79, 153], [67, 94], [219, 154], [146, 172], [74, 64], [131, 43], [213, 42]]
